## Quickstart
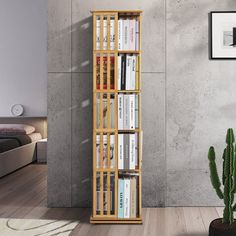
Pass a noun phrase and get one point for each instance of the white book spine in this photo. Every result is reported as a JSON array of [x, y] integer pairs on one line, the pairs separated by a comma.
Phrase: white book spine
[[128, 72], [104, 34], [120, 111], [120, 151], [119, 73], [126, 198], [133, 73], [120, 34], [105, 161], [112, 34], [98, 33], [136, 35], [136, 149], [126, 35], [126, 112], [131, 111], [132, 151], [112, 150], [132, 34]]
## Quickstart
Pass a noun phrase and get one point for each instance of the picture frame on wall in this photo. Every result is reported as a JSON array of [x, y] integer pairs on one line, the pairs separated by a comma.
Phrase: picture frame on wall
[[223, 35]]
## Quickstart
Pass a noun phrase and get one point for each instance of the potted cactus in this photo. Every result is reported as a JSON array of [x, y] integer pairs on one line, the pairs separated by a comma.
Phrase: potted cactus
[[225, 226]]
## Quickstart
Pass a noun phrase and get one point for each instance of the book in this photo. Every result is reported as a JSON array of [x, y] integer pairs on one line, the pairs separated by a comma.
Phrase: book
[[132, 34], [126, 151], [112, 151], [136, 150], [125, 35], [112, 33], [123, 71], [132, 151], [105, 34], [98, 151], [120, 111], [120, 151], [136, 35], [133, 73], [126, 198], [131, 110], [136, 111], [128, 68], [133, 197], [98, 33], [120, 198], [119, 72], [137, 73], [120, 34], [98, 207], [126, 112]]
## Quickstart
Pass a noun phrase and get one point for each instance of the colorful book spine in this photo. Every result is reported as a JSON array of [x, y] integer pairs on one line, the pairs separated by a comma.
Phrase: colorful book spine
[[120, 151], [131, 151], [120, 198], [126, 198], [120, 111]]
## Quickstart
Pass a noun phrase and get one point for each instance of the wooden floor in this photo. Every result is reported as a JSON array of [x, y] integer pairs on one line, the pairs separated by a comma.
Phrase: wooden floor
[[23, 195]]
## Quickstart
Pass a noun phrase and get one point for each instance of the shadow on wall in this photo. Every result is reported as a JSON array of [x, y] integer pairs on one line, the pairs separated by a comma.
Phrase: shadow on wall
[[82, 45], [82, 113]]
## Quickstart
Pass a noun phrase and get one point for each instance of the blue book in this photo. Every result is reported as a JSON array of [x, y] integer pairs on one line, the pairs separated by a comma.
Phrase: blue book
[[120, 198]]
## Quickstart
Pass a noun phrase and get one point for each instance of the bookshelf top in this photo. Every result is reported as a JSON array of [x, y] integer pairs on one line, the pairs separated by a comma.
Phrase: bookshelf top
[[118, 11]]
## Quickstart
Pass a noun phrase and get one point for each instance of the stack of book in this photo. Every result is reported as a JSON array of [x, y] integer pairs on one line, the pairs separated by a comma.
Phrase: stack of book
[[105, 151], [127, 197], [127, 151], [104, 44], [128, 34], [112, 191], [127, 111], [112, 74], [127, 72]]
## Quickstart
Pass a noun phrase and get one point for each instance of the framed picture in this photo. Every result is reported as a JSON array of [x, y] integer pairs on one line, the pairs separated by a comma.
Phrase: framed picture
[[223, 34]]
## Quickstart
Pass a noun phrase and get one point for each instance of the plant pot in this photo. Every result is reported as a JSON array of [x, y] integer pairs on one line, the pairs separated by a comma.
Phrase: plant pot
[[217, 228]]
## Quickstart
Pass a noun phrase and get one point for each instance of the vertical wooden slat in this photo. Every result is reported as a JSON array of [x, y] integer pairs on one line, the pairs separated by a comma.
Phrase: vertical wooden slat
[[101, 150], [101, 32], [108, 71], [101, 193], [108, 192], [108, 33]]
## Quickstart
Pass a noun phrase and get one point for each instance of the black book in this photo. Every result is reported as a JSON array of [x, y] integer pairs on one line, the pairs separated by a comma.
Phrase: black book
[[123, 71]]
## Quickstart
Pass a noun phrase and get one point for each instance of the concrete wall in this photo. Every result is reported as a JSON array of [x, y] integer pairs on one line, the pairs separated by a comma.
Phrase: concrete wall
[[186, 100], [23, 56]]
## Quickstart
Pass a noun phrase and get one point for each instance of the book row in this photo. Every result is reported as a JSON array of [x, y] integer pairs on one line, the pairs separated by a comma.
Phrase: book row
[[127, 197], [128, 111], [128, 34], [127, 72], [127, 151]]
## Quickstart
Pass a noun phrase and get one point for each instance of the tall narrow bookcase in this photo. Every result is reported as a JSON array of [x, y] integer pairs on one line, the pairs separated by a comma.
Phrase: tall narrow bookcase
[[117, 131]]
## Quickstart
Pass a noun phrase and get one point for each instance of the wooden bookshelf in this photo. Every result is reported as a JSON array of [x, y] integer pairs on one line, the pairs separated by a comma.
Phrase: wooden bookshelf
[[108, 175]]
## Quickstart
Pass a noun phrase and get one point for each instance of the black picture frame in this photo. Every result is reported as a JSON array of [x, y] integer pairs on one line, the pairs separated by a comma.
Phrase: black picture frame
[[211, 36]]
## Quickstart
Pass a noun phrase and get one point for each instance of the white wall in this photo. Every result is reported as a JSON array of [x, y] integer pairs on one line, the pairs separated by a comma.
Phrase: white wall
[[23, 56]]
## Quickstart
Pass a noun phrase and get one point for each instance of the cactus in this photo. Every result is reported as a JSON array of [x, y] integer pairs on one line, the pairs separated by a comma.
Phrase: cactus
[[228, 176]]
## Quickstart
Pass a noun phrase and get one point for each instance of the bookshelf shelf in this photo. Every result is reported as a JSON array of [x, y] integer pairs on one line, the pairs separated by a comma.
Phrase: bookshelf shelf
[[117, 175]]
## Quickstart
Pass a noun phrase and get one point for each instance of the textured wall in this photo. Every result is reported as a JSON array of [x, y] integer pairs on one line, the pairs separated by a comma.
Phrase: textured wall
[[200, 100], [186, 100]]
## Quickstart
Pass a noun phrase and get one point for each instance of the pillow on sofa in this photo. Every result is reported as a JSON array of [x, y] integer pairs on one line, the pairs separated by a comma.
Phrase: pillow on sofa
[[15, 129]]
